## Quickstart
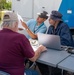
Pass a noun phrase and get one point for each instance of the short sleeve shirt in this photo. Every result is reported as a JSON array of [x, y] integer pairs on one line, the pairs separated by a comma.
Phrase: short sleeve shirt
[[14, 49], [32, 24]]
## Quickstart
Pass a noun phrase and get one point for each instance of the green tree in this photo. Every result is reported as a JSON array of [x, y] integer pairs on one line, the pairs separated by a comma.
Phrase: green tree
[[2, 2], [5, 5]]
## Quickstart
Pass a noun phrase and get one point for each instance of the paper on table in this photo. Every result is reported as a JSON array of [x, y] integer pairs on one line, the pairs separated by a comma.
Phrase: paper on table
[[34, 44], [19, 22]]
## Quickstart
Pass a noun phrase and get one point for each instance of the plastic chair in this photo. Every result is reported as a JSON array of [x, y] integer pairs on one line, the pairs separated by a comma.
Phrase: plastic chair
[[4, 73]]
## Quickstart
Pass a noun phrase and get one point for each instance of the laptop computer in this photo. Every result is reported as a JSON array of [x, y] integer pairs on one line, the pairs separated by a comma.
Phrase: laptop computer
[[50, 41]]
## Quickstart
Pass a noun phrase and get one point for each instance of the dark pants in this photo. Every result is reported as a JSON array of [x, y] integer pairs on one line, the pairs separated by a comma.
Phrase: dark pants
[[44, 69], [48, 70]]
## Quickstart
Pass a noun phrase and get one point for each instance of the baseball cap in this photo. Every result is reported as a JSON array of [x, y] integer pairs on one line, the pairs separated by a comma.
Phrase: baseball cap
[[56, 15], [10, 16], [43, 15]]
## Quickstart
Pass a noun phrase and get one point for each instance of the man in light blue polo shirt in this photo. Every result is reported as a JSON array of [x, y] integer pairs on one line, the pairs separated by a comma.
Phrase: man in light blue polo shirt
[[36, 26]]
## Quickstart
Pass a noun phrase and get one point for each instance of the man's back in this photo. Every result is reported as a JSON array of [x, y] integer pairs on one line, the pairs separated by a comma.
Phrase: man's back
[[14, 47]]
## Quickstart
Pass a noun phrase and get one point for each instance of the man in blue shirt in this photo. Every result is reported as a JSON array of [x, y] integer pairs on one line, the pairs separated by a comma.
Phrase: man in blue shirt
[[36, 26]]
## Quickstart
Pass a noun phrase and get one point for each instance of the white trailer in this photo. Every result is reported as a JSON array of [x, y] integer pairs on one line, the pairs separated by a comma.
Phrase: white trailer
[[29, 8]]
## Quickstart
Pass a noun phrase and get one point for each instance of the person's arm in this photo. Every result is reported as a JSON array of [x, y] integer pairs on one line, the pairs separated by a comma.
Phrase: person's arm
[[31, 34], [28, 51], [37, 53], [66, 38]]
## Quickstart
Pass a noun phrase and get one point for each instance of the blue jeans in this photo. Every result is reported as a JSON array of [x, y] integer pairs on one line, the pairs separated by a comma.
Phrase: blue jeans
[[31, 72], [27, 71]]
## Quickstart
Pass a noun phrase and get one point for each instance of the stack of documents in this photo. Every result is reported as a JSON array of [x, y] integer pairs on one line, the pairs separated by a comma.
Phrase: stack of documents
[[34, 44]]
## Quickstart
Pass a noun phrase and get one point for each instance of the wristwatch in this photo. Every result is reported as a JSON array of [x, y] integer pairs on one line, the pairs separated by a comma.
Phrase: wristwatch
[[27, 29]]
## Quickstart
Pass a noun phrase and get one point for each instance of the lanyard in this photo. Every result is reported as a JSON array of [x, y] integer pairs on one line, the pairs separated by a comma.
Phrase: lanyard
[[38, 27]]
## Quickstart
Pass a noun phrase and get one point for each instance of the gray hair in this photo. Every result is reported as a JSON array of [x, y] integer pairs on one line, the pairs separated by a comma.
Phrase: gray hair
[[8, 23]]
